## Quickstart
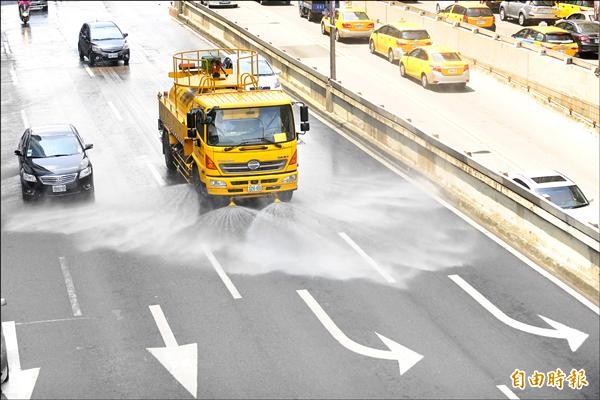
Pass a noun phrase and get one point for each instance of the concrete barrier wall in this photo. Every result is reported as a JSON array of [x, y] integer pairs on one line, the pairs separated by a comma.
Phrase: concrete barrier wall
[[572, 86], [541, 231]]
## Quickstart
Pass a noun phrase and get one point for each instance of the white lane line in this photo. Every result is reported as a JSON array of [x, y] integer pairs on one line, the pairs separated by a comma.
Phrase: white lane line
[[221, 272], [367, 258], [13, 75], [24, 119], [507, 392], [163, 326], [572, 292], [114, 110], [156, 175], [46, 321], [70, 287], [89, 71]]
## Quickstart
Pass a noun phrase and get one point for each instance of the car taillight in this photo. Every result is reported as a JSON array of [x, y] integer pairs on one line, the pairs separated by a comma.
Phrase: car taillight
[[466, 68], [585, 39], [209, 163], [465, 18], [436, 68], [294, 158], [347, 26], [493, 19], [371, 25]]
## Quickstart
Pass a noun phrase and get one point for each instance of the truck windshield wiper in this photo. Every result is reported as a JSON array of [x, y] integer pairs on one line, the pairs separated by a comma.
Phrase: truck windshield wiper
[[252, 141]]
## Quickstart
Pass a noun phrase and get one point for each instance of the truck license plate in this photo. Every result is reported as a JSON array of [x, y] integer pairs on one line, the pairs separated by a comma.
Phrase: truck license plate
[[59, 188], [113, 55], [452, 70], [254, 188]]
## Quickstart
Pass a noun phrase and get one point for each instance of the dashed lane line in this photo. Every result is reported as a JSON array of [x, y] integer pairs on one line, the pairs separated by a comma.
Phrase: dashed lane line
[[367, 258], [70, 287], [89, 71], [507, 392], [221, 272], [115, 111]]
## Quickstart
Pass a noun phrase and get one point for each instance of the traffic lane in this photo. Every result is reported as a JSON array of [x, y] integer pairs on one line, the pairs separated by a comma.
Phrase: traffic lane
[[489, 116]]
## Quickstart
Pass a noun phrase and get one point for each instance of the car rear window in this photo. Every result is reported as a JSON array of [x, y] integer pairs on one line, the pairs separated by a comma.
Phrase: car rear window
[[355, 16], [548, 179], [264, 69], [558, 37], [543, 3], [590, 28], [565, 196], [479, 12], [448, 56], [414, 35]]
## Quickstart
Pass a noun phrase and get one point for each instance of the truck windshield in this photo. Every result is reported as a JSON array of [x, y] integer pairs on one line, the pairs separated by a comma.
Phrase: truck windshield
[[241, 126]]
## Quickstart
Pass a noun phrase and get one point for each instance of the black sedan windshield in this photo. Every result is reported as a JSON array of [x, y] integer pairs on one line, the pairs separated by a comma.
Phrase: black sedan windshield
[[53, 146]]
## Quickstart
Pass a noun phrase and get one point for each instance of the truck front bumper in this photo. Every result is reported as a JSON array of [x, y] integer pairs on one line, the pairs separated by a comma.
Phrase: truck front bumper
[[251, 186]]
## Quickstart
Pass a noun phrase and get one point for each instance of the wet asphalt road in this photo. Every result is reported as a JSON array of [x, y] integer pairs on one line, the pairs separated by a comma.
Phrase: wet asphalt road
[[143, 242]]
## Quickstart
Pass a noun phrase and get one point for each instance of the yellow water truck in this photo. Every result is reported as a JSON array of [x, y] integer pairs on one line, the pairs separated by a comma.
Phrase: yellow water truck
[[223, 134]]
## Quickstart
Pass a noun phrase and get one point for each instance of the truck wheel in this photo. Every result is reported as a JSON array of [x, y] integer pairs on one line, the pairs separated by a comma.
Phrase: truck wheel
[[168, 152], [286, 196]]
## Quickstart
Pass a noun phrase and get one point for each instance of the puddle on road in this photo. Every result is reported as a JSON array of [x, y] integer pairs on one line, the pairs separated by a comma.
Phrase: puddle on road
[[398, 226]]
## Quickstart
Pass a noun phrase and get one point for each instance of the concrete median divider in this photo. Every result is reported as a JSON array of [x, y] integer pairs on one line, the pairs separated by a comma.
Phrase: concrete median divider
[[545, 234], [553, 77]]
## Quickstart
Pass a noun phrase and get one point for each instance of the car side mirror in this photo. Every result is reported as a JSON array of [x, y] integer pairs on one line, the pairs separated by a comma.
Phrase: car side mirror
[[547, 197], [2, 301], [125, 35], [18, 153], [88, 146]]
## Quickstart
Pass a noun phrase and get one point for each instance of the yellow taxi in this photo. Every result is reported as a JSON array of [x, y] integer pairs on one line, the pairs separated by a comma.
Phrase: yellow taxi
[[549, 37], [394, 40], [564, 9], [349, 23], [471, 12], [435, 65]]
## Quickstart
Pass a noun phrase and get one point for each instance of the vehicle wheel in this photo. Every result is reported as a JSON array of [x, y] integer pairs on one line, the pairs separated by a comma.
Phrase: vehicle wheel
[[310, 16], [286, 196], [424, 81], [168, 152], [371, 47], [27, 198], [522, 20], [502, 14], [402, 70], [323, 31], [337, 36], [391, 56], [80, 54], [92, 58], [126, 61]]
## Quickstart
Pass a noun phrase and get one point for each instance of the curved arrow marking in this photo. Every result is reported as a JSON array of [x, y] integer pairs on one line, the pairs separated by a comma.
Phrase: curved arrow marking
[[406, 357], [574, 337], [180, 361], [21, 382]]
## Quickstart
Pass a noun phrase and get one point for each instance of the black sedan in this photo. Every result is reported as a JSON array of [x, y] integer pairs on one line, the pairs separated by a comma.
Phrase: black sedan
[[53, 162], [585, 33], [102, 40]]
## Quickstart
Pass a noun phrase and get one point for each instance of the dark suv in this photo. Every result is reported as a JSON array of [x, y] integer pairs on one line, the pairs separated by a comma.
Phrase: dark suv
[[53, 162], [102, 40]]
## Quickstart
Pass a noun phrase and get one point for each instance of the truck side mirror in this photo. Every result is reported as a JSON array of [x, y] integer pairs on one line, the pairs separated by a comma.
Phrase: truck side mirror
[[304, 126], [191, 119], [303, 113]]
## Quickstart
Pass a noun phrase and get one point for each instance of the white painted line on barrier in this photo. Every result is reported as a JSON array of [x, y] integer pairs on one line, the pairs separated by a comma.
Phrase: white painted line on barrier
[[89, 71], [221, 272], [507, 392], [24, 119], [367, 258], [70, 287], [156, 175], [467, 219], [114, 110]]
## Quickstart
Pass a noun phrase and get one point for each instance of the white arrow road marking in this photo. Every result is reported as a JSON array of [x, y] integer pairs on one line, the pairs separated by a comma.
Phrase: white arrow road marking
[[367, 258], [406, 357], [21, 382], [574, 337], [180, 361], [507, 392]]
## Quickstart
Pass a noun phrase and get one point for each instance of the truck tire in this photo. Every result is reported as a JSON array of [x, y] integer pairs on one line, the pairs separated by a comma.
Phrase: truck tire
[[168, 152]]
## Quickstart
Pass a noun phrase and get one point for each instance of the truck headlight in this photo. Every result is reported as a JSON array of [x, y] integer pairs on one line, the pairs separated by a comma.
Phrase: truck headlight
[[85, 172], [28, 177], [217, 183], [289, 179]]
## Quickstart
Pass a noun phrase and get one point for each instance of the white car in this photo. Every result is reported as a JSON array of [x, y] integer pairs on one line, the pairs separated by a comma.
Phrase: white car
[[560, 190], [267, 77], [219, 3]]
